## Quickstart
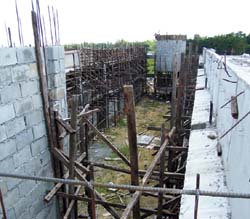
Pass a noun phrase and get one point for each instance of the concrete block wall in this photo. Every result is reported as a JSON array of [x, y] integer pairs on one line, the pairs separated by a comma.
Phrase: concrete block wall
[[23, 142], [166, 51], [56, 78], [235, 145]]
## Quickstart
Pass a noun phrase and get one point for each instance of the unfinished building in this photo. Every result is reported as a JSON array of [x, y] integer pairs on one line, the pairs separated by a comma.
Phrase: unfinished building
[[168, 56], [54, 103], [37, 129]]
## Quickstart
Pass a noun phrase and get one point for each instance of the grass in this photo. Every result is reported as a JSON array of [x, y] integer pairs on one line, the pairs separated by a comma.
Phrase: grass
[[150, 66], [124, 149], [122, 122]]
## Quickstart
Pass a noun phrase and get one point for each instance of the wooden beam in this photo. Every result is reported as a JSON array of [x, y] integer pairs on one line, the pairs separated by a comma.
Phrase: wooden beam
[[2, 206], [162, 169], [73, 146], [113, 147], [156, 195], [176, 198], [92, 194], [173, 148], [174, 92], [177, 148], [234, 107], [71, 204], [65, 160], [211, 112], [154, 128], [98, 196], [129, 106], [66, 126], [92, 191], [42, 78], [140, 172], [56, 188], [99, 202], [88, 113], [146, 177]]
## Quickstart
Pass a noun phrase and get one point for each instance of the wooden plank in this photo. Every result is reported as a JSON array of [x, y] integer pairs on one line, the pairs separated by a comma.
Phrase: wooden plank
[[2, 206], [162, 169], [165, 206], [177, 148], [197, 197], [64, 159], [66, 126], [115, 205], [88, 113], [174, 92], [140, 172], [56, 188], [146, 177], [171, 201], [129, 106], [113, 147], [98, 196], [44, 93], [72, 203], [156, 195], [81, 177], [93, 198], [42, 78], [72, 146], [154, 128], [211, 112], [219, 149], [234, 107]]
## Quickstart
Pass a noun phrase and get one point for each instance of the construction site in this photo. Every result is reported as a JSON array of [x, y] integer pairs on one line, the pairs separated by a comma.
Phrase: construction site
[[89, 133]]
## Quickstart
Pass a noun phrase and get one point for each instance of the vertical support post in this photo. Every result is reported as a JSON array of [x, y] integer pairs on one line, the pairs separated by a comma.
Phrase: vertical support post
[[115, 114], [86, 143], [206, 82], [42, 78], [197, 196], [93, 203], [48, 115], [72, 148], [211, 113], [161, 176], [132, 139], [2, 206], [173, 96], [60, 143], [10, 38], [82, 138]]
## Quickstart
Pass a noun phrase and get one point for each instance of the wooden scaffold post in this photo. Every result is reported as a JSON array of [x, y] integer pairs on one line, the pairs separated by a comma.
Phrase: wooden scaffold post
[[132, 139]]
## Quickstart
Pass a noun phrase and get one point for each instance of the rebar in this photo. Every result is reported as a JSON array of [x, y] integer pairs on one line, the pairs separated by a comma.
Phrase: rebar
[[193, 192]]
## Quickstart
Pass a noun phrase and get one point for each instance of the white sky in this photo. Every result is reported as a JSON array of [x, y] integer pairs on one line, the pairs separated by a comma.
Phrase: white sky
[[132, 20]]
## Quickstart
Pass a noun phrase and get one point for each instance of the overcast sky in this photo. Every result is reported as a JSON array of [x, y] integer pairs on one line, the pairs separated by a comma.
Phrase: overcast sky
[[132, 20]]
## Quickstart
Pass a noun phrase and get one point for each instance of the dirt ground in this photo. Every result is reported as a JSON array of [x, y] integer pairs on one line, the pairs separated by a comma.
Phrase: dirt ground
[[148, 113]]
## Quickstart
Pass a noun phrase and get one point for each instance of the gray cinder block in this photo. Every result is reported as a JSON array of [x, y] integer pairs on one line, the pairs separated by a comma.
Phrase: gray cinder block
[[8, 56]]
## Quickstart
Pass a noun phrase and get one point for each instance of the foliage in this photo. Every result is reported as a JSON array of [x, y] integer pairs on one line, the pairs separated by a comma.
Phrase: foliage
[[122, 123], [230, 44], [150, 66], [149, 45]]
